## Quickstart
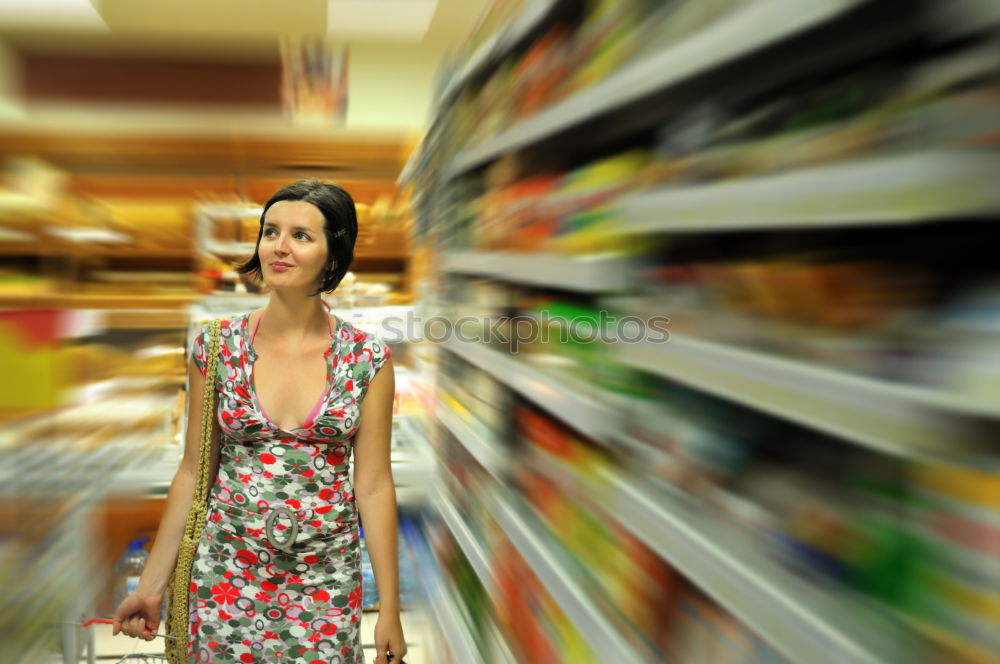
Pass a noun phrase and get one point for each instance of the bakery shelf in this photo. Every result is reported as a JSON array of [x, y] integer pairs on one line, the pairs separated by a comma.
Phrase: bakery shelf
[[750, 28], [896, 189], [903, 420], [539, 552], [802, 621], [587, 274]]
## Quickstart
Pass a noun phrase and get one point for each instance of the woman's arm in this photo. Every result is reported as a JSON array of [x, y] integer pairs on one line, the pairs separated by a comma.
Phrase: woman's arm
[[144, 603], [376, 495]]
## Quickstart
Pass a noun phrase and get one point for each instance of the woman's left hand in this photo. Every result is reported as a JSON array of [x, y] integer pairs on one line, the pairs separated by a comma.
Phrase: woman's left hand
[[389, 638]]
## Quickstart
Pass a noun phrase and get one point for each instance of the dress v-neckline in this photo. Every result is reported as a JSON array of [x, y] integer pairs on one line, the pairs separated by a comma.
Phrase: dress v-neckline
[[252, 359]]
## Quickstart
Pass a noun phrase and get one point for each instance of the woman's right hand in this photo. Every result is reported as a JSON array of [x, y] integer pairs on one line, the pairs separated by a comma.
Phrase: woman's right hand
[[138, 616]]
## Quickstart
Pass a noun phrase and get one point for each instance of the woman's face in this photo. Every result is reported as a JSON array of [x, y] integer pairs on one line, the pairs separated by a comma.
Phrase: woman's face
[[293, 252]]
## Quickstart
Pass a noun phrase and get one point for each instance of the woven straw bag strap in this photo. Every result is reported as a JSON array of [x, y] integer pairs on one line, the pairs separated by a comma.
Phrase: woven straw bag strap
[[176, 647], [200, 502]]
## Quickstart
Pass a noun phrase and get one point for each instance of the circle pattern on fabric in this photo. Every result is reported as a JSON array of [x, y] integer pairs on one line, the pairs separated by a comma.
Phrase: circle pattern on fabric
[[250, 599]]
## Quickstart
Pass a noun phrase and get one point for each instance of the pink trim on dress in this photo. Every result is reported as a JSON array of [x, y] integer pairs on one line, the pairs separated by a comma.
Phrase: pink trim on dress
[[322, 397]]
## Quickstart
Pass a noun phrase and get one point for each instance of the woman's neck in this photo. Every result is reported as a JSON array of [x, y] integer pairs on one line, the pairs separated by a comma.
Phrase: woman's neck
[[294, 320]]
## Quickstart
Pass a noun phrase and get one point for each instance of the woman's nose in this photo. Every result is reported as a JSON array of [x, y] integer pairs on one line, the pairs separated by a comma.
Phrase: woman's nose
[[281, 244]]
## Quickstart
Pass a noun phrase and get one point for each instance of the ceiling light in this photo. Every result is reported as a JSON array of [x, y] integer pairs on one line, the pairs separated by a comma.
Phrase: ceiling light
[[81, 14], [399, 20]]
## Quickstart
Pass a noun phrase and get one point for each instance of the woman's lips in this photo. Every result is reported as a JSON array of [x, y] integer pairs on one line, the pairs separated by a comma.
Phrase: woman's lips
[[280, 267]]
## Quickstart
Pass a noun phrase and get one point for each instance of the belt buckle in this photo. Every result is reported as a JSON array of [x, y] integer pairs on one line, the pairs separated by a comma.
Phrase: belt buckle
[[272, 539]]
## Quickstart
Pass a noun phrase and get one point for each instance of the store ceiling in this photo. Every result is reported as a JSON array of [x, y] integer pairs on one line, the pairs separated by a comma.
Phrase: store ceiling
[[230, 29]]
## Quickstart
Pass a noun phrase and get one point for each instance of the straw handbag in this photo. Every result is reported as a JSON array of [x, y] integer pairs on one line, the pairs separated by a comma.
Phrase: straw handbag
[[180, 581]]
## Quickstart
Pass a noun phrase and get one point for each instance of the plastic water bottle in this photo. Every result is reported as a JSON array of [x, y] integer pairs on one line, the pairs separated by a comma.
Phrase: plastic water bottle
[[129, 568], [369, 592]]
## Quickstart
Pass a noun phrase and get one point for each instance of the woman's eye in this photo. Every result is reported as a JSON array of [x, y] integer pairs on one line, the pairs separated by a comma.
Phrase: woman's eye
[[269, 232]]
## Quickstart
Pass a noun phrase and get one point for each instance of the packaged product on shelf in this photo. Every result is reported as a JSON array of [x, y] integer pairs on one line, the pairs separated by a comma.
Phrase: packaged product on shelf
[[525, 223], [543, 68], [881, 550], [583, 204], [635, 583], [956, 593], [701, 631], [496, 104], [536, 627], [480, 394], [957, 348], [603, 41], [582, 335], [834, 515], [686, 441], [30, 343], [516, 586], [860, 305], [461, 579]]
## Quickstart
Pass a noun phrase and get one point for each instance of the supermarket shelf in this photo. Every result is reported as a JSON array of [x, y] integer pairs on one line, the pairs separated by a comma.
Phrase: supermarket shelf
[[231, 210], [596, 418], [140, 319], [967, 652], [412, 464], [498, 45], [443, 609], [489, 53], [963, 17], [806, 624], [466, 539], [748, 29], [15, 203], [152, 475], [230, 249], [501, 651], [577, 273], [902, 188], [87, 475], [13, 245], [907, 421], [94, 301], [477, 439], [606, 641]]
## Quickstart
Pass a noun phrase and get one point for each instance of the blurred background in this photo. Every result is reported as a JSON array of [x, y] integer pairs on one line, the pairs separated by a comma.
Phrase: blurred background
[[714, 372]]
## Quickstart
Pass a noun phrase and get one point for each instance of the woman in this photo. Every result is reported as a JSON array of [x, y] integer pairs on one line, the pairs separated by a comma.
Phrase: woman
[[287, 589]]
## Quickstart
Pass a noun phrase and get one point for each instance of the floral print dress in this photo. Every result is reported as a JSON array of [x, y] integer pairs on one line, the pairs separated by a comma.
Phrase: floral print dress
[[277, 574]]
